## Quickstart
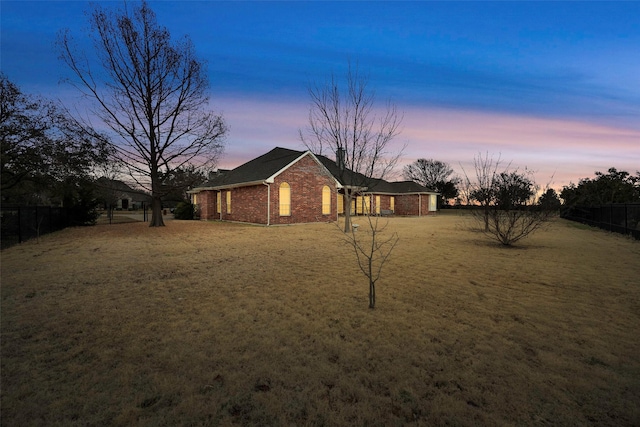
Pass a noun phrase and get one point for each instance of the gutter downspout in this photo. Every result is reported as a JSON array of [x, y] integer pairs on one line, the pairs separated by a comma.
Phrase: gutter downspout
[[268, 203]]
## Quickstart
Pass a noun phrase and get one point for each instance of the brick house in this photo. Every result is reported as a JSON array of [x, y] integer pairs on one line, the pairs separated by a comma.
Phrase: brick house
[[288, 187]]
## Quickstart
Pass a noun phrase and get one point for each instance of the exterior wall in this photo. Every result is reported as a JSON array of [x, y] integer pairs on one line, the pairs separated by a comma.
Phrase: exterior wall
[[248, 204], [385, 202], [412, 204], [206, 201], [306, 179], [425, 204]]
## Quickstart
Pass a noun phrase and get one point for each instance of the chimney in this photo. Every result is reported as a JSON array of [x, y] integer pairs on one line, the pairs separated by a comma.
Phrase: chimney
[[340, 159]]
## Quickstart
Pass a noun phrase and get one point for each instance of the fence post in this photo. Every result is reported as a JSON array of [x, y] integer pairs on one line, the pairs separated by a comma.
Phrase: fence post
[[35, 225], [626, 216], [19, 225], [611, 217]]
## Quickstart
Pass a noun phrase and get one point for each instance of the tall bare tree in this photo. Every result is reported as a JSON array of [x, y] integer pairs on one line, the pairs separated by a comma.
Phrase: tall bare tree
[[150, 91], [344, 124]]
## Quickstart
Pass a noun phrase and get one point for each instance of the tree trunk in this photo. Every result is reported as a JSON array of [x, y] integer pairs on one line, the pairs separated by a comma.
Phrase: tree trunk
[[372, 294], [347, 211], [156, 212], [486, 218]]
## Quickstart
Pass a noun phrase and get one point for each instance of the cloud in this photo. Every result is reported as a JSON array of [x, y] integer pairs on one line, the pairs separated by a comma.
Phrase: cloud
[[565, 149]]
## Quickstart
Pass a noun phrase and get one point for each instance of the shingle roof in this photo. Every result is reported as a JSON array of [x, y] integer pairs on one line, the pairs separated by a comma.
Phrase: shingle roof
[[258, 169], [263, 167], [345, 177]]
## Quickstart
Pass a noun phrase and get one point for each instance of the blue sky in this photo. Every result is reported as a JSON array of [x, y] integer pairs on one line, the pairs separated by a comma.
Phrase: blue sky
[[551, 86]]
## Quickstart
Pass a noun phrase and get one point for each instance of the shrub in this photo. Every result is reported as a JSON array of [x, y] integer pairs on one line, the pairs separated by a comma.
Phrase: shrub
[[184, 210]]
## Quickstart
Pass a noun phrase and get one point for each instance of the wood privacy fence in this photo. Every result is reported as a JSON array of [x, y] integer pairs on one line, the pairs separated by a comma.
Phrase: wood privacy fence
[[21, 223], [620, 218]]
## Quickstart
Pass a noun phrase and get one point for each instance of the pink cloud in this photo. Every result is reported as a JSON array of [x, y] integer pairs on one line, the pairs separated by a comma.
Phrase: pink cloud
[[565, 149]]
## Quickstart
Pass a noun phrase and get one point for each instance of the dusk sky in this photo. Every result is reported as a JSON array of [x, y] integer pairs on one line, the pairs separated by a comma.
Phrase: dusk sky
[[551, 86]]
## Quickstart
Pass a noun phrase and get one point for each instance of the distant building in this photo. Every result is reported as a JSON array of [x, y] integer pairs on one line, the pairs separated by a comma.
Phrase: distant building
[[118, 195]]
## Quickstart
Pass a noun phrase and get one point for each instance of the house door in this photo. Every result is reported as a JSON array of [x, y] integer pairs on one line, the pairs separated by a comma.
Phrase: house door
[[125, 204]]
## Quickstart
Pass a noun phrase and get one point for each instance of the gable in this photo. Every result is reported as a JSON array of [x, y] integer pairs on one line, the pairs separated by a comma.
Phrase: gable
[[304, 154]]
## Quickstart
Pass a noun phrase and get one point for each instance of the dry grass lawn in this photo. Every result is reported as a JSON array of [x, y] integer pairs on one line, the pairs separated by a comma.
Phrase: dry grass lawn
[[203, 323]]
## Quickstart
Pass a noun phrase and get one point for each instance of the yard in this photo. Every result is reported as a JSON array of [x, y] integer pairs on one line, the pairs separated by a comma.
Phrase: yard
[[207, 323]]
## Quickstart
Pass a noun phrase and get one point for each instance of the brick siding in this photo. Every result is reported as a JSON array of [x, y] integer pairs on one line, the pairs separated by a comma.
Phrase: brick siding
[[249, 204], [412, 204], [306, 179]]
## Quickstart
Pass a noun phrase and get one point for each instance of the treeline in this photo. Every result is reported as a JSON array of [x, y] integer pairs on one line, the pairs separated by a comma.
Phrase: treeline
[[47, 157], [489, 182]]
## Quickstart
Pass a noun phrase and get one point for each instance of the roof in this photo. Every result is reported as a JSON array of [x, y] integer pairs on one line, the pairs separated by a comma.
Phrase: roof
[[265, 167], [256, 171], [124, 190]]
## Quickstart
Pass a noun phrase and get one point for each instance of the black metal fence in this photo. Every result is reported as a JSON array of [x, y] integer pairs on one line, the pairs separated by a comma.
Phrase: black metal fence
[[21, 223], [620, 218]]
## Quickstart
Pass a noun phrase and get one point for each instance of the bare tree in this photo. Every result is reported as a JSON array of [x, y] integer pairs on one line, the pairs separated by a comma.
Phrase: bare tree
[[372, 248], [344, 124], [508, 210], [150, 92], [510, 226], [480, 188]]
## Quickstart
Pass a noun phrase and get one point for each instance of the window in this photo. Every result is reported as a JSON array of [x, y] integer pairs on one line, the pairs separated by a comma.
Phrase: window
[[218, 201], [195, 199], [326, 200], [285, 199], [363, 205], [228, 201], [392, 203], [378, 205], [340, 203]]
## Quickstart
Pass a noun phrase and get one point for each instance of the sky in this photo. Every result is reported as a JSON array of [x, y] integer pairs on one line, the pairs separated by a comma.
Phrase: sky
[[553, 87]]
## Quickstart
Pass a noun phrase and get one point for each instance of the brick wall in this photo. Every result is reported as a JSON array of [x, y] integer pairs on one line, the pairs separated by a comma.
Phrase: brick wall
[[412, 204], [207, 204], [385, 202], [306, 179], [249, 204]]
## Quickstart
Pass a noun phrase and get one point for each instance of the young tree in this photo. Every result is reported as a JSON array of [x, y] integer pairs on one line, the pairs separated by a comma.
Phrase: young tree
[[507, 201], [372, 249], [435, 175], [344, 124], [512, 215], [481, 188], [150, 92], [512, 190]]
